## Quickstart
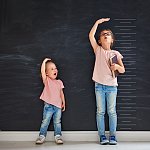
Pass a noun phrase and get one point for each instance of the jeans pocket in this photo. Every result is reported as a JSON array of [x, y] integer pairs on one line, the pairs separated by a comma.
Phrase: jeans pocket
[[98, 86]]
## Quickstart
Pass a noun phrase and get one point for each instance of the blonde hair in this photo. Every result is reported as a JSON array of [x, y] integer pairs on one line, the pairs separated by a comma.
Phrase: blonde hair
[[49, 62]]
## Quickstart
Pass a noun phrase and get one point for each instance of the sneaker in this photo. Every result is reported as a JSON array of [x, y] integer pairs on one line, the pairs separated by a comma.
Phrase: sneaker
[[40, 139], [103, 140], [58, 139], [112, 140]]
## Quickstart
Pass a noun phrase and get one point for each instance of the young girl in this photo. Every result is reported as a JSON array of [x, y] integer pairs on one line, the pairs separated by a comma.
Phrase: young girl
[[105, 83], [54, 101]]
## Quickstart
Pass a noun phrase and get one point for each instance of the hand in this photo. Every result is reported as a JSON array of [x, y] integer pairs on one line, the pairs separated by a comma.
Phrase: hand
[[63, 108], [102, 20], [114, 67], [46, 59]]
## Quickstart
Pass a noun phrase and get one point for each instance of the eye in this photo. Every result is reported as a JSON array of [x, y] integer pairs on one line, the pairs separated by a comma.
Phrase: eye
[[106, 33], [54, 68]]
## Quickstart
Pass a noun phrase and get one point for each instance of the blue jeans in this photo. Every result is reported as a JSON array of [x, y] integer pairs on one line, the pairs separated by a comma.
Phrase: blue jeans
[[106, 95], [49, 111]]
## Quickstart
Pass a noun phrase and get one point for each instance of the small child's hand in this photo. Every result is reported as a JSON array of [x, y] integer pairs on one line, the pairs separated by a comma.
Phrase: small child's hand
[[63, 108], [46, 59]]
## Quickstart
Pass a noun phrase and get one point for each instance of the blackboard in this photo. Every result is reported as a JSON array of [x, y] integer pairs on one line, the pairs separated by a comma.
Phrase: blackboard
[[35, 29]]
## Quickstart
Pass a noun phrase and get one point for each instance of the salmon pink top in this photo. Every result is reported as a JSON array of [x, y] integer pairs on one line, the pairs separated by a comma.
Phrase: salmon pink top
[[102, 73], [51, 92]]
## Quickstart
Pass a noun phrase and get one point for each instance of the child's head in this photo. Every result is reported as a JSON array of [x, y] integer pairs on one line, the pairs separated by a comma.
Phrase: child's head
[[106, 37], [51, 69]]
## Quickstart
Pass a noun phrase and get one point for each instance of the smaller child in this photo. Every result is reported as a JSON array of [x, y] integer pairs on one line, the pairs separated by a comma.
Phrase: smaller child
[[54, 101]]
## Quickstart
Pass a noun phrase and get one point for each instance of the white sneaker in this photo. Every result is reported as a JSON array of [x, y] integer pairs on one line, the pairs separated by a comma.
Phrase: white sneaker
[[58, 139], [40, 139]]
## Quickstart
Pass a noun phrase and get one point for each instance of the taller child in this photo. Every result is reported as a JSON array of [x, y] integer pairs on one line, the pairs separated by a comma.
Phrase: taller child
[[105, 83]]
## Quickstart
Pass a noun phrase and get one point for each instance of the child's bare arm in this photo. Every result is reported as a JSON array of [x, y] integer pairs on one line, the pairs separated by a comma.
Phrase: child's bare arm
[[63, 100], [93, 31], [120, 66], [43, 71]]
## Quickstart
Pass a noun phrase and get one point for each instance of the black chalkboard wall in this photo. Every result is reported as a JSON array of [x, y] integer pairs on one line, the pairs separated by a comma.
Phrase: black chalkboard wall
[[35, 29]]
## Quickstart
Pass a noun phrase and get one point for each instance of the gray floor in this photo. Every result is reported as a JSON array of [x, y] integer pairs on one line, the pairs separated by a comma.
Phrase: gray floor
[[74, 146]]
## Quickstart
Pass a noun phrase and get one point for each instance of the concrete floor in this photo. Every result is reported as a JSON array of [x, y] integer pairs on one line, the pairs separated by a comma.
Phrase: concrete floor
[[74, 146]]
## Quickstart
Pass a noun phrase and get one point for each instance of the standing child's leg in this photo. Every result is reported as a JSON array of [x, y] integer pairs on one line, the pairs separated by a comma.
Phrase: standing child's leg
[[57, 125], [100, 114], [111, 109], [47, 115]]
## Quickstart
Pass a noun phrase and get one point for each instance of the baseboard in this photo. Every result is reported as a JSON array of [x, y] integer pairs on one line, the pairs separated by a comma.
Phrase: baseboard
[[74, 136]]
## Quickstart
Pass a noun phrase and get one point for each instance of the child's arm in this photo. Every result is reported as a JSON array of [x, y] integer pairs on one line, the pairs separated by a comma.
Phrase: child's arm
[[120, 67], [43, 71], [93, 31], [63, 100]]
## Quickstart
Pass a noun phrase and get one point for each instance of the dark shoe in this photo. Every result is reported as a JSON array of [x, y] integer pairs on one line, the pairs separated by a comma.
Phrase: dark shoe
[[103, 140], [112, 140]]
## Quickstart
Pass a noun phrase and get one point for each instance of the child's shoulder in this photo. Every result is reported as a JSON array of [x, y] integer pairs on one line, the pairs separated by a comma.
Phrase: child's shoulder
[[115, 51], [98, 48], [59, 81]]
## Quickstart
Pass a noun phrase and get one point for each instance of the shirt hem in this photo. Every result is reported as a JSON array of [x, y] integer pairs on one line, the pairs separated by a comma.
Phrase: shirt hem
[[51, 103], [105, 83]]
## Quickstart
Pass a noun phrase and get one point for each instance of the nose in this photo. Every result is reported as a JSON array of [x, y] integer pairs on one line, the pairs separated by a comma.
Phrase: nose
[[56, 70]]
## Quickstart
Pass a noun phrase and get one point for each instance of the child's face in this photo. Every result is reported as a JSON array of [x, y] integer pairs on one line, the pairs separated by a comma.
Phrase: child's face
[[51, 70], [106, 37]]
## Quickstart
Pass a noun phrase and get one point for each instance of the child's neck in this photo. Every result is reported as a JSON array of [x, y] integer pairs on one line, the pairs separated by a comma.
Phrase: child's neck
[[106, 47]]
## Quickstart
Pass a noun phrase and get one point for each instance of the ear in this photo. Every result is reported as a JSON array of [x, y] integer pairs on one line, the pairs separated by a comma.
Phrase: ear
[[112, 41], [99, 41]]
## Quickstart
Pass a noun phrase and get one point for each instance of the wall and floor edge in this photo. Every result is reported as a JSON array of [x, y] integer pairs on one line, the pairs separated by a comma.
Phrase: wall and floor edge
[[130, 136]]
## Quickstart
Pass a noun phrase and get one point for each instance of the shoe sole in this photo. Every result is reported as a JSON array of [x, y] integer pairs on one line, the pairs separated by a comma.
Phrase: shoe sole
[[105, 143], [39, 143], [112, 143], [59, 143]]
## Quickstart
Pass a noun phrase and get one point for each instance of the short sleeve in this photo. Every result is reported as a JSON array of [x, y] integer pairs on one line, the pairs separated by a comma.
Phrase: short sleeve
[[119, 55], [98, 48], [61, 84]]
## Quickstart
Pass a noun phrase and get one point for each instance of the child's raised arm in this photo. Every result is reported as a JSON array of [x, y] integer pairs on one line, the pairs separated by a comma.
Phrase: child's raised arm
[[43, 69], [93, 31]]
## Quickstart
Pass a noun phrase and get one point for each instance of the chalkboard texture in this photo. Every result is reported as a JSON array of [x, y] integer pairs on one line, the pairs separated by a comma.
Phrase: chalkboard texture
[[35, 29]]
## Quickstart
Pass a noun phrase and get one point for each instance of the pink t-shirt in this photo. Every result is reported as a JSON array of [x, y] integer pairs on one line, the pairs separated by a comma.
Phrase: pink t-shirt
[[51, 92], [102, 73]]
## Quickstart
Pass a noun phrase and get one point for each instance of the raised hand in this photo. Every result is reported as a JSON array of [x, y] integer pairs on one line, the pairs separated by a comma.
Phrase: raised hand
[[102, 20], [46, 59]]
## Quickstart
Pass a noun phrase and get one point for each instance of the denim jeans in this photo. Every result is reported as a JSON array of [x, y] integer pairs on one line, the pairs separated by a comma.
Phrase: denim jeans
[[106, 96], [50, 111]]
